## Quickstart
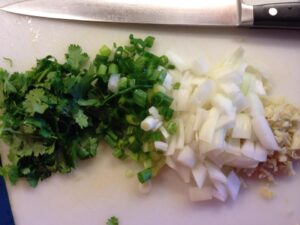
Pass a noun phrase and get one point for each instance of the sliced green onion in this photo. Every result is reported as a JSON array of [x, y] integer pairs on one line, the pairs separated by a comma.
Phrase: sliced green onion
[[163, 60], [113, 68], [105, 51], [149, 41], [176, 86], [140, 97], [161, 99], [102, 69], [171, 127], [166, 112], [132, 119], [123, 83], [147, 163], [119, 153], [145, 175]]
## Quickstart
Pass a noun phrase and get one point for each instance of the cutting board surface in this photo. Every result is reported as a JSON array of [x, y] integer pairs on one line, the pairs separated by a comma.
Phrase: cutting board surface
[[98, 188]]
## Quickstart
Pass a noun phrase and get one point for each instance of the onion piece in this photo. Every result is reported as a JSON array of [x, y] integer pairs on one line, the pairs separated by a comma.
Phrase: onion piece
[[242, 128], [260, 153], [168, 82], [172, 145], [200, 66], [187, 157], [208, 128], [241, 162], [296, 140], [199, 173], [233, 146], [227, 121], [215, 173], [180, 134], [183, 96], [248, 149], [264, 133], [240, 102], [233, 185], [200, 194], [176, 60], [229, 88], [259, 87], [223, 103], [256, 106], [203, 92], [199, 118], [220, 191]]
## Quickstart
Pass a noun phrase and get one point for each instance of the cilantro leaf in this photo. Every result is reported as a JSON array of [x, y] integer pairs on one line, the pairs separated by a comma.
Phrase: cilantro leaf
[[81, 119], [76, 60], [34, 102], [112, 221]]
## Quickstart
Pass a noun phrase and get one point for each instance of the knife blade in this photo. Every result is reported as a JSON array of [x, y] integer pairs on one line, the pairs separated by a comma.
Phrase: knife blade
[[230, 13]]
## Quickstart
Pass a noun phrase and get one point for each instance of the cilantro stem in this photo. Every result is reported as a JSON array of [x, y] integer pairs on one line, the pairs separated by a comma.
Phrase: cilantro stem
[[124, 92]]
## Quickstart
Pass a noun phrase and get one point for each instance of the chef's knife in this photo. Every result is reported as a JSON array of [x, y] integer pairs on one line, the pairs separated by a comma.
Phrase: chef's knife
[[170, 12]]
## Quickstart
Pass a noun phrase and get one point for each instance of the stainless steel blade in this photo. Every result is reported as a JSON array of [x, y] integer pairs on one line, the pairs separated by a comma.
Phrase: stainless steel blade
[[171, 12]]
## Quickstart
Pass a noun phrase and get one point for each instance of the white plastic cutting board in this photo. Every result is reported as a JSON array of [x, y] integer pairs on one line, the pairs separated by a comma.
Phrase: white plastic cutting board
[[99, 189]]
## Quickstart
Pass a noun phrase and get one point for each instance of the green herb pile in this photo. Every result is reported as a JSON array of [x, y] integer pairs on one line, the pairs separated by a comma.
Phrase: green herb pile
[[56, 114]]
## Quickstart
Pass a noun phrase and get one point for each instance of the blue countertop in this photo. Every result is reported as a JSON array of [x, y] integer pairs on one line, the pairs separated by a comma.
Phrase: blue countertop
[[6, 217]]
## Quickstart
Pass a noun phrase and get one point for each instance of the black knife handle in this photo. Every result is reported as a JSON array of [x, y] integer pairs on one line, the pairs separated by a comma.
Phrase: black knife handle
[[277, 15]]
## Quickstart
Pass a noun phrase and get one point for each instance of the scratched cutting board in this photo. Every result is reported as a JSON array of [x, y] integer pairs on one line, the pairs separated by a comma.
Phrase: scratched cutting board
[[98, 188]]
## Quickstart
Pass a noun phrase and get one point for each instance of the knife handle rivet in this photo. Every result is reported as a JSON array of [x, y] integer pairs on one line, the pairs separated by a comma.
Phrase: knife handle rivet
[[273, 11]]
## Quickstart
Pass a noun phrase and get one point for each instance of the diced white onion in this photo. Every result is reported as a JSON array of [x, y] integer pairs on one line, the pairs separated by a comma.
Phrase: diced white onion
[[256, 106], [223, 103], [233, 185], [203, 92], [168, 81], [220, 191], [227, 120], [199, 118], [187, 157], [260, 153], [200, 66], [296, 141], [233, 146], [176, 60], [208, 128], [243, 127], [229, 88], [248, 149], [180, 134], [199, 173], [264, 133], [183, 96], [215, 173]]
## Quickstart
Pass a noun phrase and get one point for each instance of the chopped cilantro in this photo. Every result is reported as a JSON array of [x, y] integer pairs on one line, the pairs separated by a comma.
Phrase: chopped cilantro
[[112, 221], [56, 114]]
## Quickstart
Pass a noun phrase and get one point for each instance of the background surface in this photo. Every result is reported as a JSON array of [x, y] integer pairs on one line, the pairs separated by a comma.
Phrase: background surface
[[99, 189]]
